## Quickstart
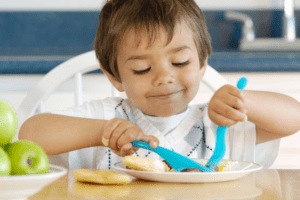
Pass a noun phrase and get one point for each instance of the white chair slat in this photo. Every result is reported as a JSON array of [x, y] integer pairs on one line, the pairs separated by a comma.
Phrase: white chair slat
[[78, 88]]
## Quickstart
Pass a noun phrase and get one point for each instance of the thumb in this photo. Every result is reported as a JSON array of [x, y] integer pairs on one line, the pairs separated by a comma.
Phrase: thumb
[[153, 141]]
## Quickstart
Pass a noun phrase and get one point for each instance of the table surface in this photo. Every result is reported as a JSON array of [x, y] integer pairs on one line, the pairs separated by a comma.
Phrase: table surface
[[263, 184]]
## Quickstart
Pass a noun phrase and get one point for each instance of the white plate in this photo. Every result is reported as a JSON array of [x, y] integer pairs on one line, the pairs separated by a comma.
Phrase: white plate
[[240, 170], [23, 186]]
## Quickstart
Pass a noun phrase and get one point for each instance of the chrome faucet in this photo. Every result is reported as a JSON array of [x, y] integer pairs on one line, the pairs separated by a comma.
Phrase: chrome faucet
[[248, 27], [289, 20], [249, 43]]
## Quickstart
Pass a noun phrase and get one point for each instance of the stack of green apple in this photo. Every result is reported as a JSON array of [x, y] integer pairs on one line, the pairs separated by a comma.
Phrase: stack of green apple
[[21, 157]]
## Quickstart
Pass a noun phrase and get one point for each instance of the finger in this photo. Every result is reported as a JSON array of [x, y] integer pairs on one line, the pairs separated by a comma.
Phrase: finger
[[153, 141], [233, 101], [108, 130], [221, 120], [237, 93], [120, 130], [228, 99], [131, 134], [127, 150], [230, 113], [243, 110], [135, 133], [116, 152]]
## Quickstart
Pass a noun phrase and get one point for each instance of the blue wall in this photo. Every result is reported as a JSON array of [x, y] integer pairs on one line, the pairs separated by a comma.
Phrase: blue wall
[[66, 34]]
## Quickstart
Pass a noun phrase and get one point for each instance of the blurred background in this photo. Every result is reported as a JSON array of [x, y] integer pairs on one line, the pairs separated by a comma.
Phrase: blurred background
[[60, 29], [258, 39]]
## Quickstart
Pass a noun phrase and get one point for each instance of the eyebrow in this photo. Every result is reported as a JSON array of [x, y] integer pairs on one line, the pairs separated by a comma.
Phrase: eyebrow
[[179, 49], [172, 51]]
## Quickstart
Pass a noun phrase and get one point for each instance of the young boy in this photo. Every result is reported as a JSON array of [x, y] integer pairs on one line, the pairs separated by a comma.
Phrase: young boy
[[157, 51]]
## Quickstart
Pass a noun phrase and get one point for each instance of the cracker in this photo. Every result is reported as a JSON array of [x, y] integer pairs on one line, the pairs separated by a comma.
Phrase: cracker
[[145, 164], [225, 166], [100, 176]]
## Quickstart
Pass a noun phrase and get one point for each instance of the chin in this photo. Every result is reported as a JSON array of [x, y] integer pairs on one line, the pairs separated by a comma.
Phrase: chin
[[164, 112]]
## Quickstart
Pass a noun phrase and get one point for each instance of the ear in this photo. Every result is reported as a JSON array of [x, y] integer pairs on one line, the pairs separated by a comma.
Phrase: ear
[[203, 69], [118, 85]]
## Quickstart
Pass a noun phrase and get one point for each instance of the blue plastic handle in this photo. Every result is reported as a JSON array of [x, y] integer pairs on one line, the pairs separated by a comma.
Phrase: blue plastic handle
[[176, 161], [220, 147], [242, 83]]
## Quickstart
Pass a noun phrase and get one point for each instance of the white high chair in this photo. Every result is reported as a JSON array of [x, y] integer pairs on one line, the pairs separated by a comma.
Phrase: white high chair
[[75, 68]]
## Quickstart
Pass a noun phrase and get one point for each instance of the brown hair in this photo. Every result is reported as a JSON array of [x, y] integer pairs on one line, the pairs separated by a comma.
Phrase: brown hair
[[118, 16]]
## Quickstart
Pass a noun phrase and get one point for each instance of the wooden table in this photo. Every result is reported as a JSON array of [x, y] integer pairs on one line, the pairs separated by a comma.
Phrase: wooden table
[[264, 184]]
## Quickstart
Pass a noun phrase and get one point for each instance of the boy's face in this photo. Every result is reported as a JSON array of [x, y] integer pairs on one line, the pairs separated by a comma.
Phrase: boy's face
[[160, 80]]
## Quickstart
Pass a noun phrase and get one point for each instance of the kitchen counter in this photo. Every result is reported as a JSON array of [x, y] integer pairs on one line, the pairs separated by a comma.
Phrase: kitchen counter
[[227, 61]]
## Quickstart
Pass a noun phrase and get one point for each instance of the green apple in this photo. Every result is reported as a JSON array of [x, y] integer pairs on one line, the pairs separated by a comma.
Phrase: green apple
[[5, 166], [8, 123], [27, 157]]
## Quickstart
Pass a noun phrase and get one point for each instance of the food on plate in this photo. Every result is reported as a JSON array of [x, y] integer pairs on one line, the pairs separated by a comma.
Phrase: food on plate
[[8, 123], [5, 166], [100, 176], [27, 157], [157, 165], [145, 164], [225, 165]]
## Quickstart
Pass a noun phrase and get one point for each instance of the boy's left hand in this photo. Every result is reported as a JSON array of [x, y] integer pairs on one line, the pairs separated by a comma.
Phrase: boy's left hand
[[226, 107]]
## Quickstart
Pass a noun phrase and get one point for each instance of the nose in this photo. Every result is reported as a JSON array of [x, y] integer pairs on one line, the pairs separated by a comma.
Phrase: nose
[[164, 76]]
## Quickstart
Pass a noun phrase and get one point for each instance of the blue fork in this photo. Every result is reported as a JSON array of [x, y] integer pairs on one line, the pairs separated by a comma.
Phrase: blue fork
[[220, 147], [180, 163], [176, 161]]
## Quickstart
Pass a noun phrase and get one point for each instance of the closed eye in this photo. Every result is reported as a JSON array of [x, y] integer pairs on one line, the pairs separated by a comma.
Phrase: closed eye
[[140, 72], [181, 64]]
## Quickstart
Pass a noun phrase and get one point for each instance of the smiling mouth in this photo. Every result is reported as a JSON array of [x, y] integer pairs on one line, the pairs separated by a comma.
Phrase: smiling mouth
[[165, 96]]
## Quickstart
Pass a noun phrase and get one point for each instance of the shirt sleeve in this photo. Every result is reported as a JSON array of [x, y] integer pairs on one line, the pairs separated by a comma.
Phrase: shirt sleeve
[[244, 147], [266, 153]]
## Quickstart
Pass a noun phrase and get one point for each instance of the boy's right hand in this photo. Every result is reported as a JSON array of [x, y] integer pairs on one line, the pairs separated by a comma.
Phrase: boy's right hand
[[227, 106], [119, 133]]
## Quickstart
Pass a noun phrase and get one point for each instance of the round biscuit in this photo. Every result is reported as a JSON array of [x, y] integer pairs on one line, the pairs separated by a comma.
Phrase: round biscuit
[[100, 176], [145, 164]]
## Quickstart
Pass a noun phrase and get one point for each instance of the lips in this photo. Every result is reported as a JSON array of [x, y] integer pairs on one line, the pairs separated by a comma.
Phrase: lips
[[164, 95]]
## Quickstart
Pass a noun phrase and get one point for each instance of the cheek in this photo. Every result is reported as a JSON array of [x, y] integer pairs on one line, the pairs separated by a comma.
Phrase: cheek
[[191, 77], [134, 87], [130, 84]]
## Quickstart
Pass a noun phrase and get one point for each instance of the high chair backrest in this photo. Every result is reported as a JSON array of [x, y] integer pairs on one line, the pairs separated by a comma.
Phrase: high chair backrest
[[74, 68]]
